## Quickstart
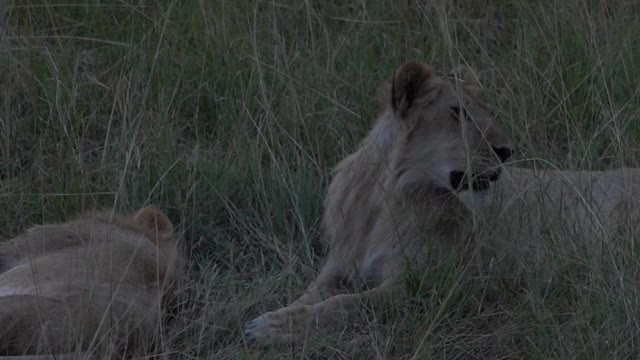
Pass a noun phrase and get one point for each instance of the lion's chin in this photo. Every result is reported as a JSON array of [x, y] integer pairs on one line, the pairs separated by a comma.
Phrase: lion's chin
[[473, 192], [472, 199], [475, 199]]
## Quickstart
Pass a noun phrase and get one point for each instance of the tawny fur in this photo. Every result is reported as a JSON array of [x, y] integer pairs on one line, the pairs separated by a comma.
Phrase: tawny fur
[[391, 205], [97, 283]]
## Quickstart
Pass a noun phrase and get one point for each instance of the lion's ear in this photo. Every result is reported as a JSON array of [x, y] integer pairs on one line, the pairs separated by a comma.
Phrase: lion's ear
[[155, 223], [467, 75], [409, 83]]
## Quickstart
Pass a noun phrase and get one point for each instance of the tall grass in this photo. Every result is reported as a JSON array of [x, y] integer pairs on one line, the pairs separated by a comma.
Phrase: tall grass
[[230, 115]]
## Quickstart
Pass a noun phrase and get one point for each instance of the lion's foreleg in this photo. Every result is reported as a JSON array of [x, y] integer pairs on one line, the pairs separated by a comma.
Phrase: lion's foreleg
[[328, 283], [297, 322]]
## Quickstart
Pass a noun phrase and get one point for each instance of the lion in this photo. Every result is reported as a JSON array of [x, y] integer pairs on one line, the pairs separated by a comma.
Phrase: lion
[[97, 283], [432, 178]]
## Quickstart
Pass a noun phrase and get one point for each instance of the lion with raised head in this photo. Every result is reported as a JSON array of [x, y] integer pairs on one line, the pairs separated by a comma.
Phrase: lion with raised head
[[94, 284], [430, 179]]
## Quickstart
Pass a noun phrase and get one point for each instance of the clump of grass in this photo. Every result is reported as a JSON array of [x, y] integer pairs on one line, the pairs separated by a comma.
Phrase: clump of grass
[[231, 115]]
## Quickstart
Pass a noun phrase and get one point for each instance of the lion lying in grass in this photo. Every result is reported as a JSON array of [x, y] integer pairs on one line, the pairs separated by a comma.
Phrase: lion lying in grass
[[428, 180], [96, 283]]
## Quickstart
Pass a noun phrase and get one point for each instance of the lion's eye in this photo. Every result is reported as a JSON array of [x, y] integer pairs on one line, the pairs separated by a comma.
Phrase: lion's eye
[[457, 112]]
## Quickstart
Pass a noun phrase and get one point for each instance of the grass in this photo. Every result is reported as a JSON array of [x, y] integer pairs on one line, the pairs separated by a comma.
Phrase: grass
[[229, 115]]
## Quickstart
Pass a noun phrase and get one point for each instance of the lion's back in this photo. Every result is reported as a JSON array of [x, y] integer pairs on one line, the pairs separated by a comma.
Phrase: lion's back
[[89, 270]]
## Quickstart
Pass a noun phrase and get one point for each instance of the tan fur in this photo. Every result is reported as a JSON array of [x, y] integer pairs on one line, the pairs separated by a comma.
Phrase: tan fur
[[96, 283], [392, 204]]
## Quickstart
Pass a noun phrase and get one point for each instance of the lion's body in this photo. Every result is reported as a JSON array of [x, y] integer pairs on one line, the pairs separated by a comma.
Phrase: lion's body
[[536, 214], [95, 282], [428, 180]]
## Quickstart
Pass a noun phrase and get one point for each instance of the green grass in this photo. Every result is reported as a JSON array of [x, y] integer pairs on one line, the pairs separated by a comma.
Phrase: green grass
[[229, 115]]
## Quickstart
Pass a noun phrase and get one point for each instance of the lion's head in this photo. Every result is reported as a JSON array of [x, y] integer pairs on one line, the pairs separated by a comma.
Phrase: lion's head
[[448, 140]]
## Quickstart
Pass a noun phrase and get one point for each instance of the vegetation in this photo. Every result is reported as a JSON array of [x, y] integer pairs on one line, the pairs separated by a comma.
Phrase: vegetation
[[229, 115]]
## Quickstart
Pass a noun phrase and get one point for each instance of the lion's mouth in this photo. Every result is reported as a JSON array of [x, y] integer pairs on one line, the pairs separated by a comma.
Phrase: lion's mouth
[[480, 182]]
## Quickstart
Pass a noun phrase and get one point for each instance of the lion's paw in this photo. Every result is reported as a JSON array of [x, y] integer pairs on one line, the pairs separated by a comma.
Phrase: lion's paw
[[282, 326], [256, 331]]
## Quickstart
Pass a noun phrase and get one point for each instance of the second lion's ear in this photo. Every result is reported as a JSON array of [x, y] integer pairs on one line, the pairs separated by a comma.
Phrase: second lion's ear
[[156, 224], [409, 83]]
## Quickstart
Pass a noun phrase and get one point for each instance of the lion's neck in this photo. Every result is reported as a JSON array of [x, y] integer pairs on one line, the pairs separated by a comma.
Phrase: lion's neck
[[369, 222]]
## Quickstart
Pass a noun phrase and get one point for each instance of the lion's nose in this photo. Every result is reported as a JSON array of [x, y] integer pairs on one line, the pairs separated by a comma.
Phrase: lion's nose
[[503, 153]]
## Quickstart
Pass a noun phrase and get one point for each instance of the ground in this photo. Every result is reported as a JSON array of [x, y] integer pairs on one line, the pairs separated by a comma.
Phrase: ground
[[229, 115]]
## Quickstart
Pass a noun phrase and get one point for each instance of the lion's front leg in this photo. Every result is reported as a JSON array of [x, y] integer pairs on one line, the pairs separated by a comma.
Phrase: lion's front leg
[[285, 325], [328, 284], [297, 322], [277, 326]]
